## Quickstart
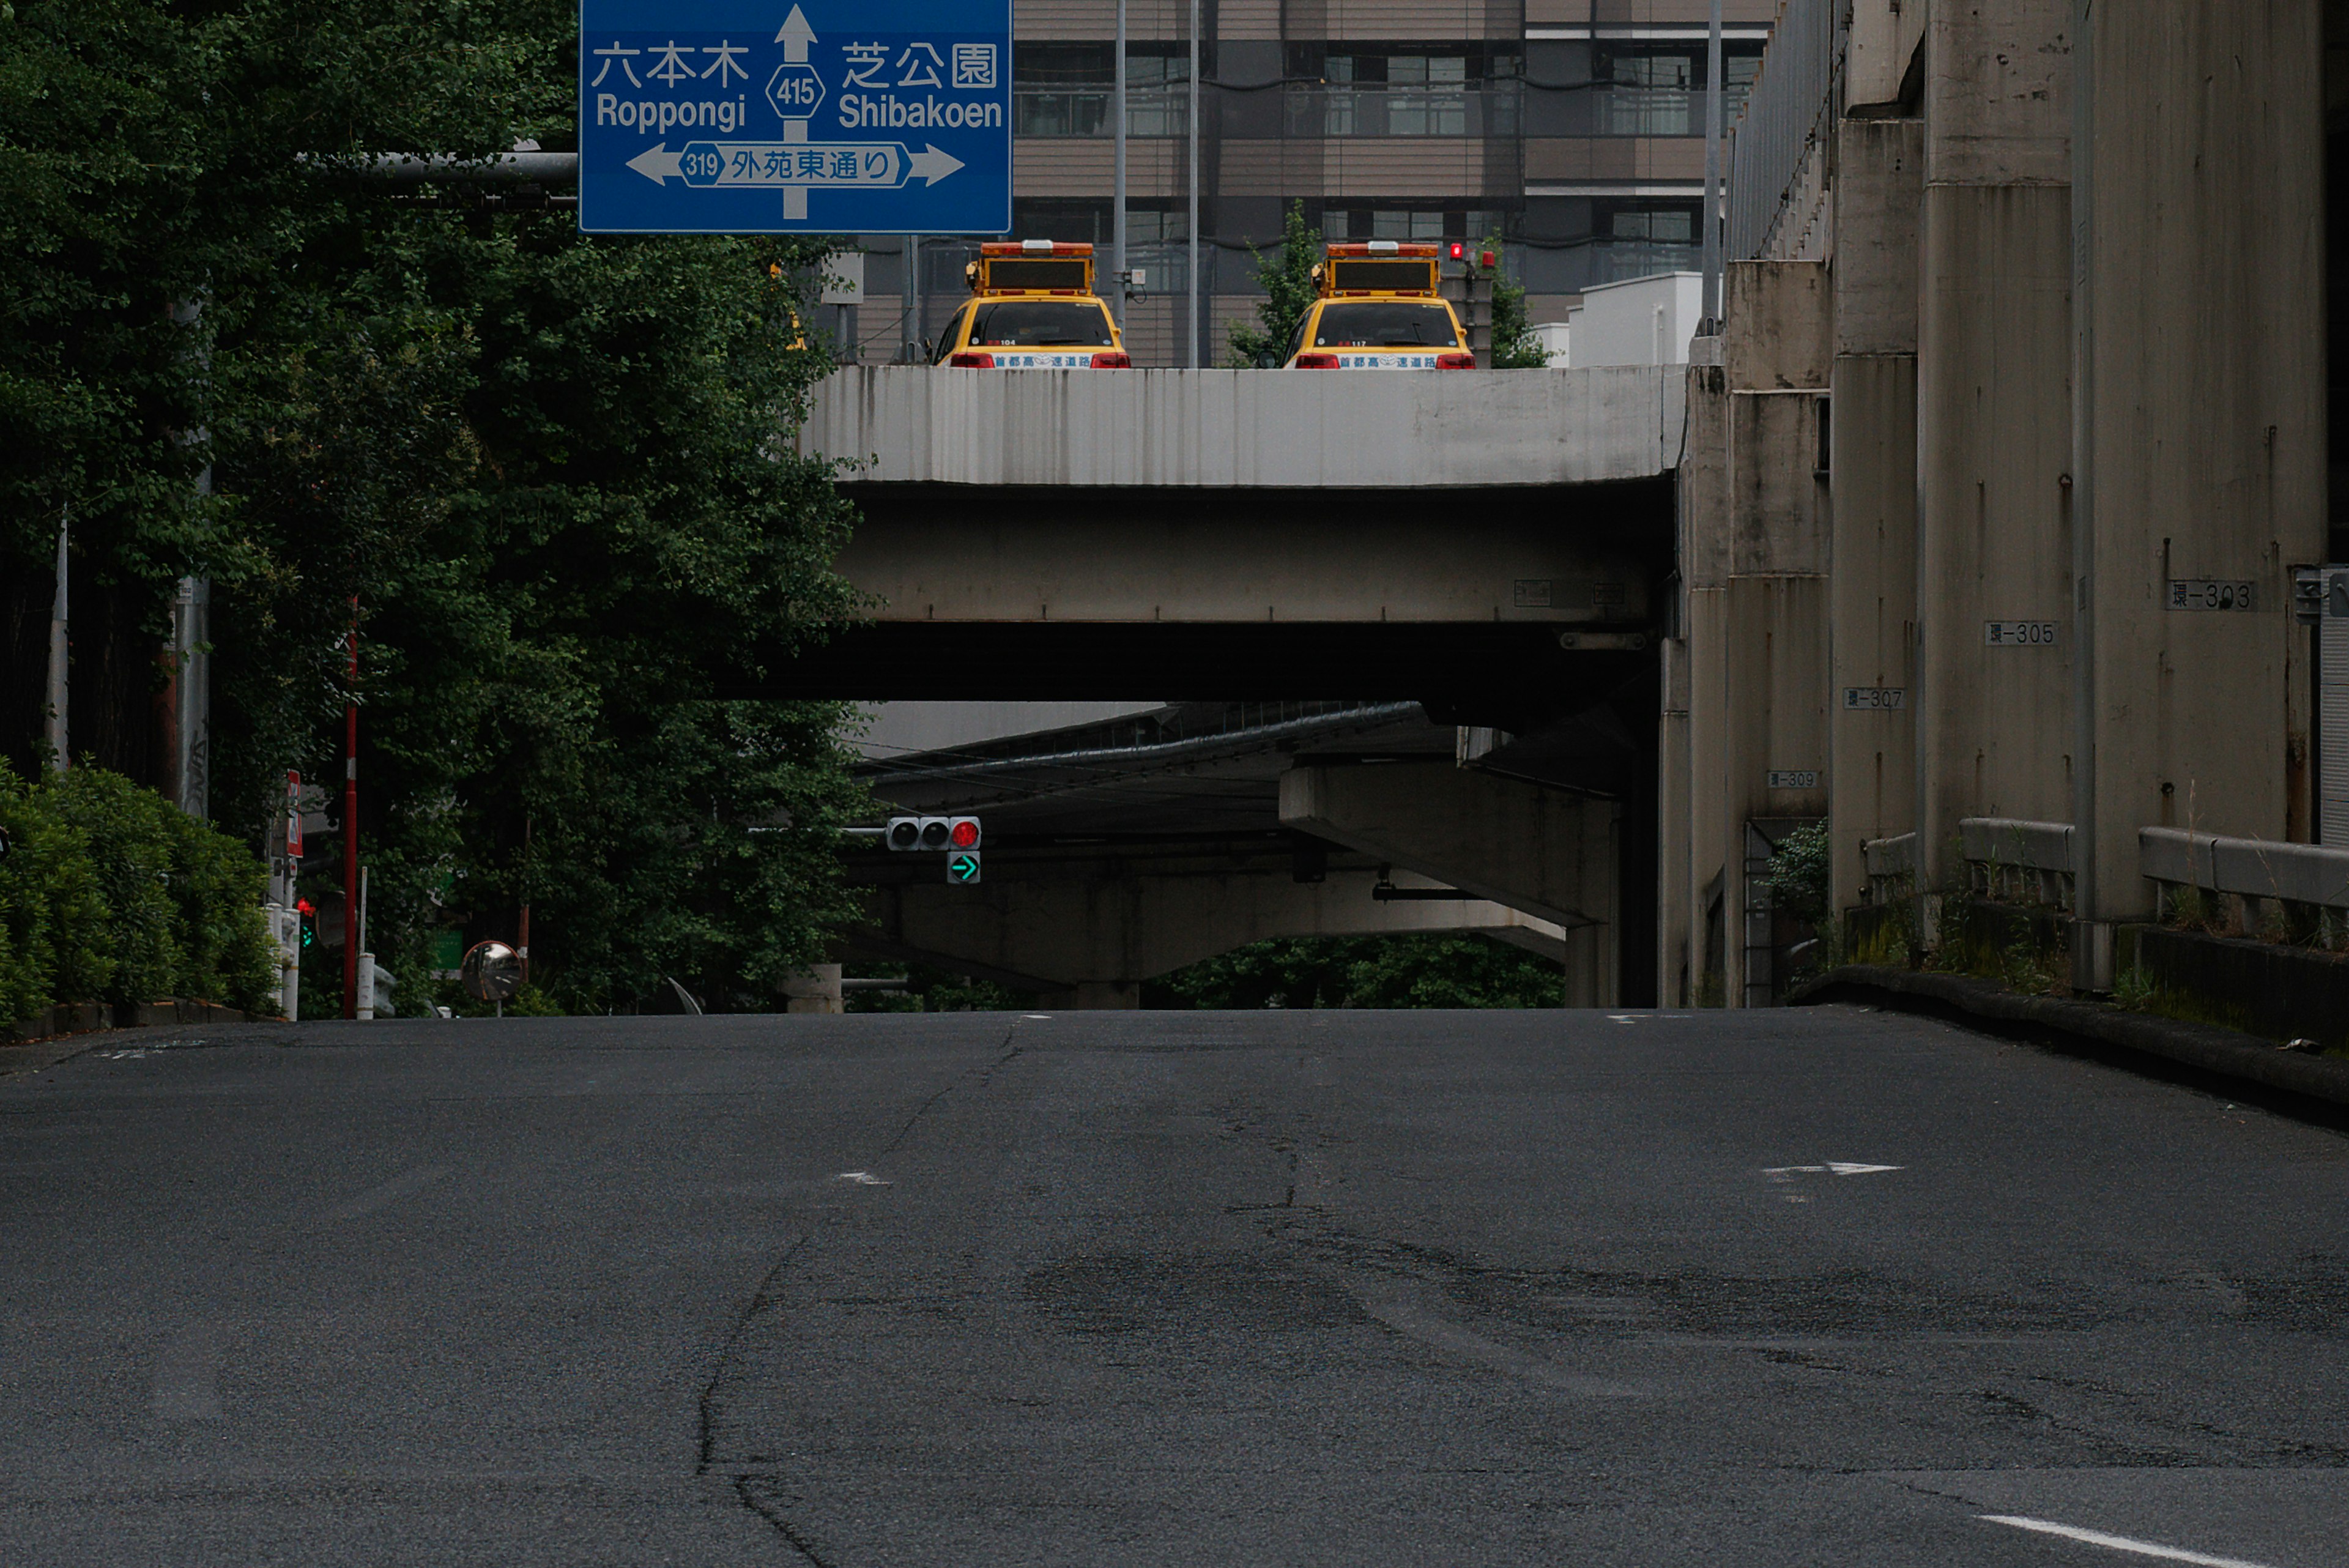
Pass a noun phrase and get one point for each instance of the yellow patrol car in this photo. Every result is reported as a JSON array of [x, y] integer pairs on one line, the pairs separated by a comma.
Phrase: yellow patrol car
[[1032, 308], [1378, 310]]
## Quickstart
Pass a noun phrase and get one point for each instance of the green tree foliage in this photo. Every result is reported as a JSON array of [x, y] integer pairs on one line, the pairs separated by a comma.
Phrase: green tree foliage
[[1514, 347], [1290, 292], [1431, 970], [1799, 877], [110, 893], [549, 476]]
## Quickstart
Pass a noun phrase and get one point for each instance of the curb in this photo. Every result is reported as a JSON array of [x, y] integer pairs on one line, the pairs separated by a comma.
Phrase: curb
[[97, 1018], [2204, 1047]]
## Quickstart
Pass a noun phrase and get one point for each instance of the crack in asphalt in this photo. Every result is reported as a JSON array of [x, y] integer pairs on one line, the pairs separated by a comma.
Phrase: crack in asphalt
[[746, 1487], [746, 1484]]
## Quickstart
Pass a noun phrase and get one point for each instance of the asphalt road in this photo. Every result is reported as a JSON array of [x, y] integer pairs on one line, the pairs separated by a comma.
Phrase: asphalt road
[[1802, 1288]]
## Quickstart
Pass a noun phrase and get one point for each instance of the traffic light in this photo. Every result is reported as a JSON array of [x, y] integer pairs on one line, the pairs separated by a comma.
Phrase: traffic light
[[917, 832], [962, 866], [309, 924]]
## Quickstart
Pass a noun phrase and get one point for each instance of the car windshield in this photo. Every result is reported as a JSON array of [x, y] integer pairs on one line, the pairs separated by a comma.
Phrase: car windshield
[[1035, 323], [1384, 324]]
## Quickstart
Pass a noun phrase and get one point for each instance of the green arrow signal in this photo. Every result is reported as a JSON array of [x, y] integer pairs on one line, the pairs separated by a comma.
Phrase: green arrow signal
[[962, 866]]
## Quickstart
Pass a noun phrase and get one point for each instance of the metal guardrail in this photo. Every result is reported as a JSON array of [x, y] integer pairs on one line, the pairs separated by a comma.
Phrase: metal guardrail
[[1790, 110], [2248, 868]]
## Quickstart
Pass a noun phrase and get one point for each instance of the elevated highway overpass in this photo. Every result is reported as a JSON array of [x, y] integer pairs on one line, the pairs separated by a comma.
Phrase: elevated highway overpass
[[1090, 535], [1483, 557]]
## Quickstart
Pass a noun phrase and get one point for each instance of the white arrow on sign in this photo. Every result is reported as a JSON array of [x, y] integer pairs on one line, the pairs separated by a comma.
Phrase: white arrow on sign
[[780, 164], [795, 37], [657, 163], [930, 165]]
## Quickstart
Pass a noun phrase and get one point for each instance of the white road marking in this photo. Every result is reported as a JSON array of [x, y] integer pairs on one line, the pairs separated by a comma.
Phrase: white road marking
[[187, 1378], [1041, 1017], [1841, 1168], [1835, 1167], [862, 1179], [387, 1194], [2118, 1542]]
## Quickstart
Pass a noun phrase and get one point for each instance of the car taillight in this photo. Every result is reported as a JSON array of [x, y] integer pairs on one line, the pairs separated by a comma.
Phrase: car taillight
[[1113, 362], [1455, 361], [1316, 361], [974, 361]]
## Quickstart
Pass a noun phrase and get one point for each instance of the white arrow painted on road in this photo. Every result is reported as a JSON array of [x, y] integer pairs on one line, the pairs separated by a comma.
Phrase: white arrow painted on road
[[1835, 1167], [1841, 1168], [795, 37], [930, 165], [656, 163]]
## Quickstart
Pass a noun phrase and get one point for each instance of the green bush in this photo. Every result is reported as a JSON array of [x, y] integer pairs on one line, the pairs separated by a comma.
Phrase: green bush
[[110, 893], [1428, 969]]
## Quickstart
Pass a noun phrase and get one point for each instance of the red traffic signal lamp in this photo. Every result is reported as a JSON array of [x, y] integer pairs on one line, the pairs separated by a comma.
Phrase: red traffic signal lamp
[[920, 832]]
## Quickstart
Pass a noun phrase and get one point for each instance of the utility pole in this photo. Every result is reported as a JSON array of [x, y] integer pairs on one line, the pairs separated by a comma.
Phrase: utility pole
[[351, 827], [1190, 319], [1117, 267], [192, 614], [1712, 172], [912, 352], [54, 729]]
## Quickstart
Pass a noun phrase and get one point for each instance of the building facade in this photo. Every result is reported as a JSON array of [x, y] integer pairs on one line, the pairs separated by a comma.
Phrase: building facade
[[1574, 129]]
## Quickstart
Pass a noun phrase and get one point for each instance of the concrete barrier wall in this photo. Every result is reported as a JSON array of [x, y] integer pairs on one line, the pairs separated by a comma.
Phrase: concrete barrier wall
[[1274, 429]]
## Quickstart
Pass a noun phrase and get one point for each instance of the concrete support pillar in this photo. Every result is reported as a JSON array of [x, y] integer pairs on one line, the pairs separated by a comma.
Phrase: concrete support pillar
[[1872, 485], [815, 989], [1754, 560], [1675, 969], [2207, 381], [1993, 421]]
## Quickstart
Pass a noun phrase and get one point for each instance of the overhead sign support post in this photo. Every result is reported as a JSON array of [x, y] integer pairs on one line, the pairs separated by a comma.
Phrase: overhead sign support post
[[846, 116]]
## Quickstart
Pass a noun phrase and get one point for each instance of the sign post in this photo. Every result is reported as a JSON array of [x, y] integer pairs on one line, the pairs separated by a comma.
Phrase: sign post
[[840, 116]]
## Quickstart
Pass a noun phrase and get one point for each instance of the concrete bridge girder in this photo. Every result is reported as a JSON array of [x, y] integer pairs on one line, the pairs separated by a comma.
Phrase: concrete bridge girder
[[1552, 854], [1106, 556], [1345, 430], [1085, 929]]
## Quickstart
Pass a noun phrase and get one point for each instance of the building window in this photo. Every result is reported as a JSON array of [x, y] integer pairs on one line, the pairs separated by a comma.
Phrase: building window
[[1068, 88], [1659, 89], [1149, 220], [1400, 89], [1398, 222]]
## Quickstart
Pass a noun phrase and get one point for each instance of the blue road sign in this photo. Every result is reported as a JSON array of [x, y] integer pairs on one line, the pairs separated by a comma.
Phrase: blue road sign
[[732, 117]]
